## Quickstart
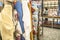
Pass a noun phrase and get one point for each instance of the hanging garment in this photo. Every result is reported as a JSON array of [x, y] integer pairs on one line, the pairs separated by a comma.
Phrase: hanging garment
[[0, 27], [18, 7], [18, 32], [1, 6], [17, 27], [7, 28], [0, 22], [26, 19]]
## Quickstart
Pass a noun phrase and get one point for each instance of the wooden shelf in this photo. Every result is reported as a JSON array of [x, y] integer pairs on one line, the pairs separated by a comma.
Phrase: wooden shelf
[[54, 26], [51, 25], [51, 16], [50, 0], [57, 25], [55, 7]]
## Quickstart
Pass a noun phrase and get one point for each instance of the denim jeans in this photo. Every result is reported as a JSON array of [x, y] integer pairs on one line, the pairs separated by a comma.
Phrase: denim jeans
[[18, 7]]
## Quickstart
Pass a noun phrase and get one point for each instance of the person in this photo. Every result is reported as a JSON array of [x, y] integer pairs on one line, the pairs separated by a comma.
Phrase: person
[[46, 11], [46, 14]]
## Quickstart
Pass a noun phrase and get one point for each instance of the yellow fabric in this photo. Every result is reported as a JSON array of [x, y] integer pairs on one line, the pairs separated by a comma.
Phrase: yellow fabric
[[7, 27], [31, 34], [0, 22]]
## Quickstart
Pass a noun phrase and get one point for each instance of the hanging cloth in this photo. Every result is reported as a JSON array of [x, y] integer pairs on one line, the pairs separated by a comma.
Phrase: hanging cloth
[[1, 4], [18, 7], [7, 28], [26, 19]]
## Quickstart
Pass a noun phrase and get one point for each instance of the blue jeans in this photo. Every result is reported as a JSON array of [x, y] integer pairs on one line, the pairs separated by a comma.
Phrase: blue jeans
[[18, 7], [22, 38]]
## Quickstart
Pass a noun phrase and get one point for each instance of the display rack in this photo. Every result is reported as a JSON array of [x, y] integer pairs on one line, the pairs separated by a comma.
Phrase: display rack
[[31, 33], [52, 23]]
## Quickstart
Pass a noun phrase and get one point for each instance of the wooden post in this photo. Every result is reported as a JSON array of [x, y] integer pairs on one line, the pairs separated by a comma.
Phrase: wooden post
[[31, 33], [42, 16]]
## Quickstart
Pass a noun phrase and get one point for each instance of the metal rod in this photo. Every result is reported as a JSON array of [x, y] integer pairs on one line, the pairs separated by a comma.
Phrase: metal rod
[[38, 27], [42, 16]]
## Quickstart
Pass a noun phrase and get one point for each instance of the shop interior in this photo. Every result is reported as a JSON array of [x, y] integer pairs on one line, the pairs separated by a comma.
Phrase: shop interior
[[45, 18], [48, 19]]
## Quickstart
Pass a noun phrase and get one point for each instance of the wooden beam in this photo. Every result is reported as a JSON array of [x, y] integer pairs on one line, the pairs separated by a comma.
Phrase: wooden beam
[[31, 33]]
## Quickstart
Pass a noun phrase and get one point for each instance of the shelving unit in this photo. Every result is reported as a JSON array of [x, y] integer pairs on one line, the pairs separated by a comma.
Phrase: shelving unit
[[50, 4], [51, 23]]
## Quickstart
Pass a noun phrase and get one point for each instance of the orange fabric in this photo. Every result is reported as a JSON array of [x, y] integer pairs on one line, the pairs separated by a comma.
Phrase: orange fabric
[[32, 9]]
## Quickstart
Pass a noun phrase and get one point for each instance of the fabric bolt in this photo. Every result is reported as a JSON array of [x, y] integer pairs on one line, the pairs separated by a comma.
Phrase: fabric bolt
[[18, 7], [7, 26]]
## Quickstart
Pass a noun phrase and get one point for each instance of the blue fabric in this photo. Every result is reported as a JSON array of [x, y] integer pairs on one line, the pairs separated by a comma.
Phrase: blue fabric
[[22, 38], [18, 7], [1, 4], [39, 6], [59, 22]]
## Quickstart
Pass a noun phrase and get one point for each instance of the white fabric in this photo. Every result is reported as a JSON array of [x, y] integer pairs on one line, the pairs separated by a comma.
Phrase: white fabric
[[26, 19], [19, 28]]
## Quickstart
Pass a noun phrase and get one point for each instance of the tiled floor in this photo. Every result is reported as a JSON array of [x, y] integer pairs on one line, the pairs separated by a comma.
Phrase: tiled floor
[[51, 34]]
